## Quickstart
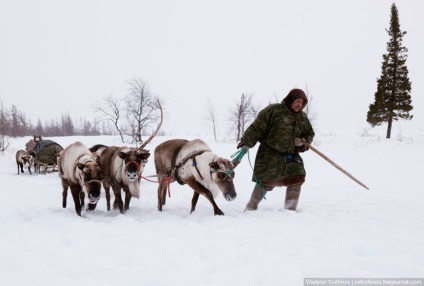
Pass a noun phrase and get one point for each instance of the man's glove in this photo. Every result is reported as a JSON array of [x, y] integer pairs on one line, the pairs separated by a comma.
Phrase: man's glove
[[239, 154], [298, 142], [299, 146]]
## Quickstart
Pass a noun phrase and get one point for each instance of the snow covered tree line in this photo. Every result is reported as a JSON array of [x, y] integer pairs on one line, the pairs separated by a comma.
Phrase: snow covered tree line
[[14, 123]]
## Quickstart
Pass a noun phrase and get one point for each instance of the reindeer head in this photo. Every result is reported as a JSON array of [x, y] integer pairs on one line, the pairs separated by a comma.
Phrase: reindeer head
[[135, 161], [38, 138], [92, 177], [222, 173]]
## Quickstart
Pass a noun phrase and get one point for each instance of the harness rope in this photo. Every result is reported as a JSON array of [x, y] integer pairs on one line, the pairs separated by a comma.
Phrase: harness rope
[[167, 180], [174, 171], [174, 174], [238, 155]]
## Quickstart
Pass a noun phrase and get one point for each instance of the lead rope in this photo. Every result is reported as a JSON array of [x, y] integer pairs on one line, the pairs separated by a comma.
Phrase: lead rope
[[237, 159], [167, 181], [238, 155]]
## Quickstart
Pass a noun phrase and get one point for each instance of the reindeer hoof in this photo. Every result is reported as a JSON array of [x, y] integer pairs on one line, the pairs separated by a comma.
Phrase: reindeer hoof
[[219, 213]]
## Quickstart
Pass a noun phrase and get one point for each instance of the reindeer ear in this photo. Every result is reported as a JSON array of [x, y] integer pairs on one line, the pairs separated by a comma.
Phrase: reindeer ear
[[214, 165], [84, 168], [146, 155], [98, 159], [122, 155]]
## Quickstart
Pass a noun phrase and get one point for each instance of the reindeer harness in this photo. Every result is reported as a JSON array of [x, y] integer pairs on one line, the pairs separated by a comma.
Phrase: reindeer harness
[[174, 172]]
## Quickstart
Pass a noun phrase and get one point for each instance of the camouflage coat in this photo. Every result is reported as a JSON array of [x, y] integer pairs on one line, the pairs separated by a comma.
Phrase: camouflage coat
[[275, 128]]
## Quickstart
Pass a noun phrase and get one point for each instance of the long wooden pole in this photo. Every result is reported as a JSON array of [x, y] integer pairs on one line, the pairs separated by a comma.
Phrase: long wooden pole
[[333, 163]]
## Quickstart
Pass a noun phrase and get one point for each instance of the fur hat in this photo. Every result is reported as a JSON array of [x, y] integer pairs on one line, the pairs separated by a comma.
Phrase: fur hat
[[293, 95]]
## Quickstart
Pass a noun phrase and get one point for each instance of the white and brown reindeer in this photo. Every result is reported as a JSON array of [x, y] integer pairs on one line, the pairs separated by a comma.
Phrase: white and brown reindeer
[[23, 159], [194, 163], [80, 171], [122, 167]]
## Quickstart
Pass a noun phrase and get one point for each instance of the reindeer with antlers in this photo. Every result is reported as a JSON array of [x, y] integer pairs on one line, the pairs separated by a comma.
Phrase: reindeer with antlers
[[122, 168]]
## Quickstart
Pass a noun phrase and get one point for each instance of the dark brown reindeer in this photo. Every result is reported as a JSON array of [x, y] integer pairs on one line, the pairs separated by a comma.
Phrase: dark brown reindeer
[[31, 143], [193, 163], [79, 170], [23, 159], [122, 167], [29, 148]]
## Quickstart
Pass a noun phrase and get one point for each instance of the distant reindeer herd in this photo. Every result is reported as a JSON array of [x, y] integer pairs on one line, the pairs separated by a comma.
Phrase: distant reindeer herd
[[84, 170]]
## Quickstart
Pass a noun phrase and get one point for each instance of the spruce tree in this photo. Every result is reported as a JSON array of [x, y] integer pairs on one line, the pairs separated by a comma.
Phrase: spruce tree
[[392, 100]]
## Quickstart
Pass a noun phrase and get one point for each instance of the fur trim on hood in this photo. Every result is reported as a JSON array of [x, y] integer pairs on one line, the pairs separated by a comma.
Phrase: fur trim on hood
[[293, 95]]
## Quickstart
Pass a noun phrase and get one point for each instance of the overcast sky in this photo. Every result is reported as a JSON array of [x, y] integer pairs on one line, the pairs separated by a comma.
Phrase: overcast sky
[[64, 56]]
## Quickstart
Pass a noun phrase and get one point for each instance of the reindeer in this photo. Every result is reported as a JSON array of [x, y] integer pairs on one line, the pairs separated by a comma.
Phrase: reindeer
[[79, 170], [29, 148], [24, 159], [122, 167], [193, 163]]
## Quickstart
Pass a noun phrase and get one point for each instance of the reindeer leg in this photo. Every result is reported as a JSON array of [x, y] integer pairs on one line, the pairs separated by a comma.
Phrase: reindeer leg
[[194, 201], [118, 199], [163, 187], [64, 192], [75, 191], [163, 194], [106, 186], [160, 204], [128, 197], [197, 187], [82, 198]]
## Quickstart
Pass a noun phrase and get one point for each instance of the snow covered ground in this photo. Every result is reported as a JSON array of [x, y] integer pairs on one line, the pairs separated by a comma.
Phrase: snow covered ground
[[340, 229]]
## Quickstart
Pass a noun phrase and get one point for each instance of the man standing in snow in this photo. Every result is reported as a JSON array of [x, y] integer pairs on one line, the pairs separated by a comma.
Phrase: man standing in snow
[[279, 128]]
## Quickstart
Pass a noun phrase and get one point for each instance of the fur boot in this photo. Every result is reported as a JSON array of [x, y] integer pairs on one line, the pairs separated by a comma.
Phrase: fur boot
[[292, 197], [257, 196]]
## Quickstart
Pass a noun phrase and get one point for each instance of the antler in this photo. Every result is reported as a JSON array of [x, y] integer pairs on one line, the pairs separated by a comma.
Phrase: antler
[[157, 129]]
